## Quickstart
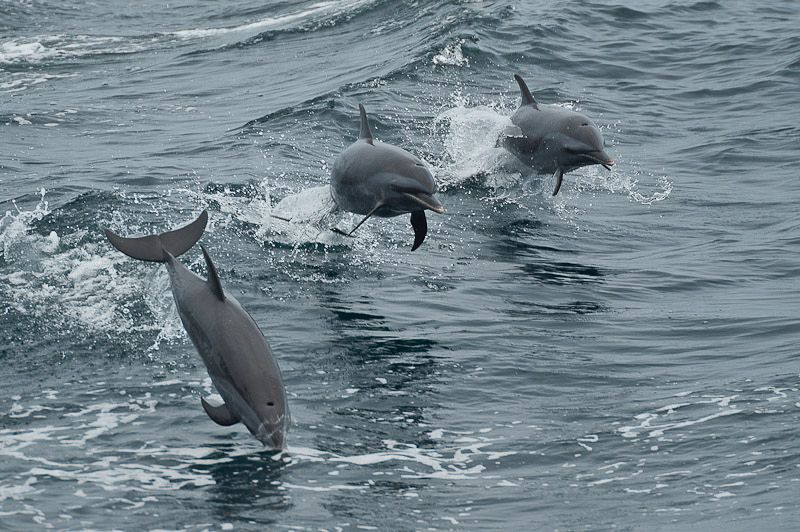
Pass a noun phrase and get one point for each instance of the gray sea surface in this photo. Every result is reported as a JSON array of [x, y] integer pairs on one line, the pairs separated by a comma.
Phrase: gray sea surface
[[621, 356]]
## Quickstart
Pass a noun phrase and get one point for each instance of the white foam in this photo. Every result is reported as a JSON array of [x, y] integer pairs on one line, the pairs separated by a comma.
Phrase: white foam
[[332, 487], [12, 51], [123, 477], [656, 424], [107, 418], [53, 47], [18, 491], [448, 462]]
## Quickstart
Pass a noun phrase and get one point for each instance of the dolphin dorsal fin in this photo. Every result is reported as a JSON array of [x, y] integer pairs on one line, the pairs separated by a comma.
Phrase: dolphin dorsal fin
[[213, 277], [527, 97], [365, 134]]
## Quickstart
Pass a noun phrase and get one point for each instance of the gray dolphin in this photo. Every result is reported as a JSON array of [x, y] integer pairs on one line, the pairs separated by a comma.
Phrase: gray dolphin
[[377, 179], [235, 352], [552, 139]]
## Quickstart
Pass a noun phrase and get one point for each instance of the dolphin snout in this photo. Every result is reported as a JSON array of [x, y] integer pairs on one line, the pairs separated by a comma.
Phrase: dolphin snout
[[428, 201], [602, 158], [272, 435]]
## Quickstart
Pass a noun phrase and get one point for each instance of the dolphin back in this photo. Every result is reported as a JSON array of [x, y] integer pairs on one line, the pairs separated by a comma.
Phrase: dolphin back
[[152, 247]]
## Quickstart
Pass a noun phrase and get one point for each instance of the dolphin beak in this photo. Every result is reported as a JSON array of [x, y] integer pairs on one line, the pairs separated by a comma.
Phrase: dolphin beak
[[272, 436], [428, 201], [602, 158]]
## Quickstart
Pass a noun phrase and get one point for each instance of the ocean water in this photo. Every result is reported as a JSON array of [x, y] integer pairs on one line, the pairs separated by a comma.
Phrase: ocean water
[[621, 356]]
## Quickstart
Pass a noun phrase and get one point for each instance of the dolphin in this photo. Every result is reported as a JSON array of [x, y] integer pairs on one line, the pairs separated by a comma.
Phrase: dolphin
[[235, 352], [552, 139], [377, 179]]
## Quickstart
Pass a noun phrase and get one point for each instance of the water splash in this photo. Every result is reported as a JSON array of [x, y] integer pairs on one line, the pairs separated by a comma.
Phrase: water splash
[[304, 217], [470, 140], [451, 55], [15, 242], [67, 282]]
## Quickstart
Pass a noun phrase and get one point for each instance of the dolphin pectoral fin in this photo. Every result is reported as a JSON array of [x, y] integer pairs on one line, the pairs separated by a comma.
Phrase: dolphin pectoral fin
[[220, 415], [367, 217], [559, 175], [420, 225], [151, 248], [339, 231], [213, 277], [353, 230]]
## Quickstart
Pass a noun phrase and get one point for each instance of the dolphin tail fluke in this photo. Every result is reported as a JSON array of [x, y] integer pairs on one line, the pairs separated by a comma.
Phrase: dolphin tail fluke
[[151, 248], [420, 225], [559, 175], [221, 415], [527, 97]]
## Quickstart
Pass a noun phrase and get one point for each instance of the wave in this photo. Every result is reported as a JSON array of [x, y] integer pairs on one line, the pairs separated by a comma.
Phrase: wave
[[330, 9], [55, 47]]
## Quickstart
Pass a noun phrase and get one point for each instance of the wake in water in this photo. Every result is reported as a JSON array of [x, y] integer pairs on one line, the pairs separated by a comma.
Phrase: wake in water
[[305, 217]]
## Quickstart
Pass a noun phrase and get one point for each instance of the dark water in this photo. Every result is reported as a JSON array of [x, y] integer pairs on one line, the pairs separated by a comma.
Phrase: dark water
[[621, 356]]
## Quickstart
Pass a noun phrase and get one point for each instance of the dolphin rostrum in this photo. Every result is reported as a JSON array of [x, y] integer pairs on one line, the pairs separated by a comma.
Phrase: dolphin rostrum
[[552, 139], [235, 352], [377, 179]]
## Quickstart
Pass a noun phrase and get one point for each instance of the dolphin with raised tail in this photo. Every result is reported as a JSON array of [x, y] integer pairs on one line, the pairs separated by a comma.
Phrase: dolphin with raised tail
[[377, 179], [551, 139], [235, 352]]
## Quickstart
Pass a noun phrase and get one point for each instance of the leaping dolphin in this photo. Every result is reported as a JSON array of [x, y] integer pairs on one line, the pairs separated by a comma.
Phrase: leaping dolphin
[[235, 352], [552, 139], [377, 179]]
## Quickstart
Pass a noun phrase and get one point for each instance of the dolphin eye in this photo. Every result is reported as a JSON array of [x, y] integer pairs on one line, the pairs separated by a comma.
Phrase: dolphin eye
[[585, 124], [270, 404]]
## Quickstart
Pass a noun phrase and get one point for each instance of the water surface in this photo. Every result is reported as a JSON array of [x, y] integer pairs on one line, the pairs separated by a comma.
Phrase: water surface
[[620, 356]]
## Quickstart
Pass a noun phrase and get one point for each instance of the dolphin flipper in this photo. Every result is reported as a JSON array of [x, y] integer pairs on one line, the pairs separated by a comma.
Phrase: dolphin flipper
[[353, 230], [559, 175], [151, 248], [420, 225], [220, 415]]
